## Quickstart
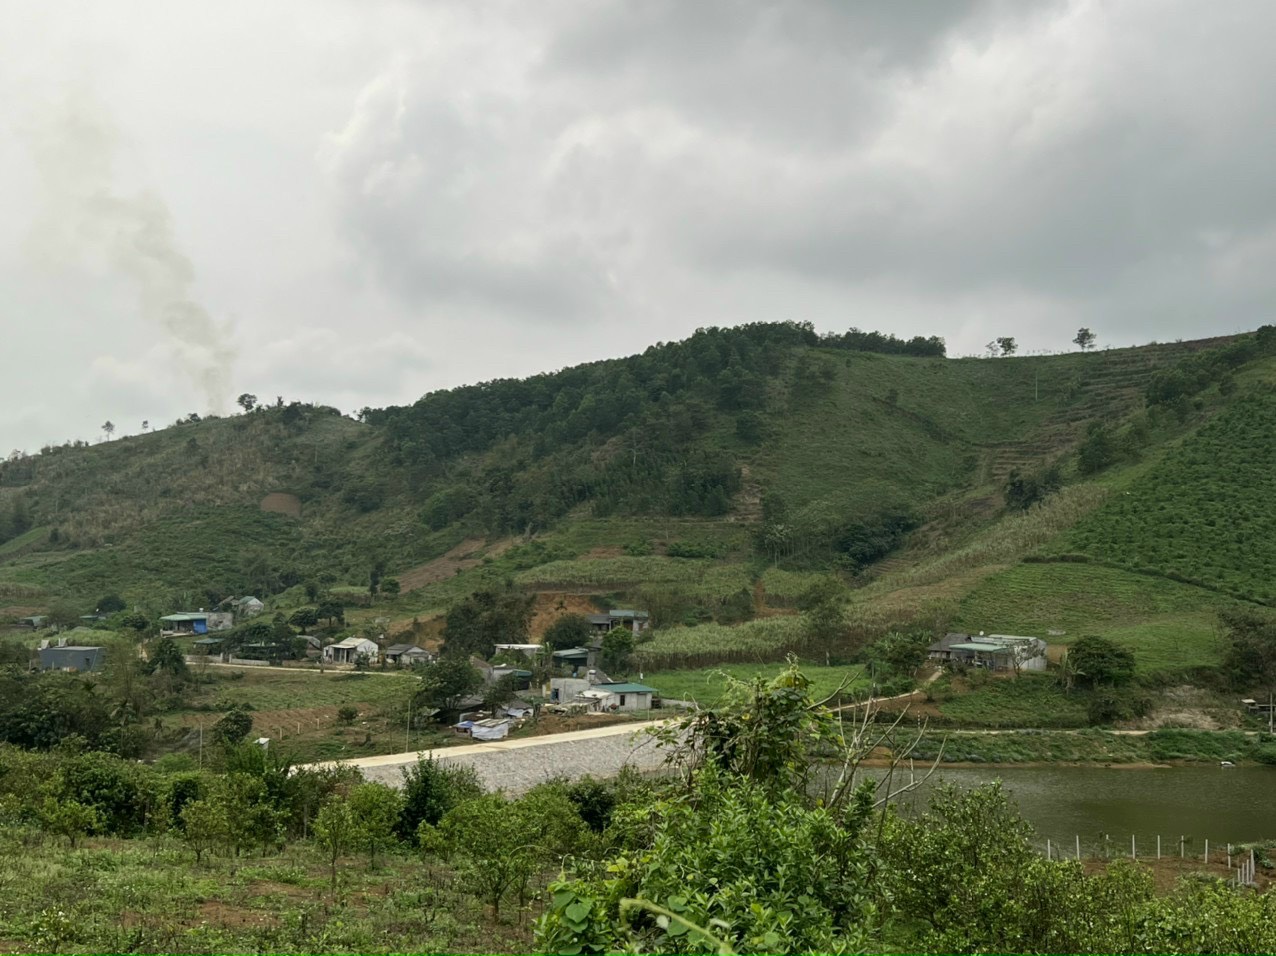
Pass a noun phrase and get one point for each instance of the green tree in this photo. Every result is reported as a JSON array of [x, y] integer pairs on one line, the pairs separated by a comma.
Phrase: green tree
[[167, 658], [233, 727], [304, 619], [110, 604], [430, 790], [485, 618], [204, 827], [569, 630], [444, 683], [618, 647], [499, 693], [376, 809], [1007, 345], [500, 844], [69, 818], [1250, 656], [1097, 661], [1097, 451], [391, 587], [1084, 339], [336, 831], [331, 611], [247, 402]]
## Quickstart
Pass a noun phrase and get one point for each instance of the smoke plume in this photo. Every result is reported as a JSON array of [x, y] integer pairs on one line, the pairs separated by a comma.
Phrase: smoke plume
[[87, 217]]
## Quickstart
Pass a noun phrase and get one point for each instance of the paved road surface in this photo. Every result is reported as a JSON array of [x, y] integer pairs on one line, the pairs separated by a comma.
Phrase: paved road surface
[[518, 765]]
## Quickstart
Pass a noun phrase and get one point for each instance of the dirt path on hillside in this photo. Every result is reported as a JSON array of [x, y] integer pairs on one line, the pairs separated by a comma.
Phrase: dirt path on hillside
[[465, 555]]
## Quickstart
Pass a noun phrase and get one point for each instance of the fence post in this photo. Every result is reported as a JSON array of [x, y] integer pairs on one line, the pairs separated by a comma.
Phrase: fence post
[[1229, 856], [1158, 846], [1047, 848], [1182, 847], [1133, 853], [1207, 851], [1078, 847]]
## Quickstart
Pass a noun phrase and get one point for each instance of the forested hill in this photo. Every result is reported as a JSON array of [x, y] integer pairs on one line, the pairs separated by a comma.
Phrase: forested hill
[[764, 444], [626, 434]]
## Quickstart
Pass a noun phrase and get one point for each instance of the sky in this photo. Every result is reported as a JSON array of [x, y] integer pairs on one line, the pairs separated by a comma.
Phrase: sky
[[355, 203]]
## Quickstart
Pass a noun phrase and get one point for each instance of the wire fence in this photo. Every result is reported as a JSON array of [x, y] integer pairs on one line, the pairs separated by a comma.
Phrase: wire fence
[[1241, 861]]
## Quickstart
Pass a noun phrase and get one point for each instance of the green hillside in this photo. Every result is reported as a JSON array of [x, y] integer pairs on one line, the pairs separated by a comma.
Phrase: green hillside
[[1205, 514], [714, 480]]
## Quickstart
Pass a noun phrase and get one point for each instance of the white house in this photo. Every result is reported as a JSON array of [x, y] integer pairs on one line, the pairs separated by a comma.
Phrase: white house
[[618, 696], [350, 650]]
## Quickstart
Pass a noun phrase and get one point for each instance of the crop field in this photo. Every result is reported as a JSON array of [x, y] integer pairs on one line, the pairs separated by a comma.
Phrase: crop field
[[117, 896], [706, 644], [1168, 625], [1205, 515], [783, 588], [696, 578], [706, 684]]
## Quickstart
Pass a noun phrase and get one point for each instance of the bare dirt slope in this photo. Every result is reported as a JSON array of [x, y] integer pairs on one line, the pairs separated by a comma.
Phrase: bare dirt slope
[[465, 555]]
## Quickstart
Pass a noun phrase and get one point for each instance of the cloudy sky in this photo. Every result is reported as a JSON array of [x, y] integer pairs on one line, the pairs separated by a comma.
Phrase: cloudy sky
[[358, 202]]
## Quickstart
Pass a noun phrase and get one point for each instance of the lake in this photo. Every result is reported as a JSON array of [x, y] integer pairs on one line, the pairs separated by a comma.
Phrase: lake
[[1201, 803]]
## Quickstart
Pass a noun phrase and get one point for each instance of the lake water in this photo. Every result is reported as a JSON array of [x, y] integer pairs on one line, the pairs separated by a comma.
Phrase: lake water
[[1201, 803]]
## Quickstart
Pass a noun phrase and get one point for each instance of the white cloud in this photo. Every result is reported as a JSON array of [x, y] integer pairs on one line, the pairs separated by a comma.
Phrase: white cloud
[[374, 200]]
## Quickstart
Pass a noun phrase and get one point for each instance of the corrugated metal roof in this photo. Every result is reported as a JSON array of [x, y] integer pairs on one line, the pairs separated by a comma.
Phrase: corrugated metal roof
[[975, 646], [622, 688]]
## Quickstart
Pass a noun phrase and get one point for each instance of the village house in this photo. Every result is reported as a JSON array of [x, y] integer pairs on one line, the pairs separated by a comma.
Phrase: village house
[[350, 650], [405, 655], [196, 622], [72, 657], [995, 652], [35, 621], [601, 696], [636, 621]]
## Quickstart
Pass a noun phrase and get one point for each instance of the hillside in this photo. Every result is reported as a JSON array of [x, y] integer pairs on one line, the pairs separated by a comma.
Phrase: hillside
[[714, 480]]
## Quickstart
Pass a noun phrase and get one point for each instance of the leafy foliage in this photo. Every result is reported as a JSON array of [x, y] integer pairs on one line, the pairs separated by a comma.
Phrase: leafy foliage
[[1096, 661]]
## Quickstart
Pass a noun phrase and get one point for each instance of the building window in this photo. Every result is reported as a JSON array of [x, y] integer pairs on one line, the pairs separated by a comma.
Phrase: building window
[[622, 700]]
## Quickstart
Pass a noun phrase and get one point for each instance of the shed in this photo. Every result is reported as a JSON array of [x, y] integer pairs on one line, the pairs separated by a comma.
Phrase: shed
[[527, 650], [209, 645], [494, 728], [71, 657], [248, 606], [35, 621]]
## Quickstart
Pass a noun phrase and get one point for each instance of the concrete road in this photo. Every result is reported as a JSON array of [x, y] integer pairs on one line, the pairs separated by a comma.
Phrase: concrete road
[[518, 765]]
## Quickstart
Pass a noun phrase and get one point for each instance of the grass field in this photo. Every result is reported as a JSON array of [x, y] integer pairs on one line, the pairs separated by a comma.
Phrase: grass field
[[706, 684], [1168, 625], [1031, 700]]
